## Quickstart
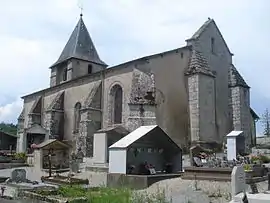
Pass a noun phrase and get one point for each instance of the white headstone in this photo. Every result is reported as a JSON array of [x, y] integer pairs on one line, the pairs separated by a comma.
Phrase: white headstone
[[232, 145], [100, 148], [238, 180]]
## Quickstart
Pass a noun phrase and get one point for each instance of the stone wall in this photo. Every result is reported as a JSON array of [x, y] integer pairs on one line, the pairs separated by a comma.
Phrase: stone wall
[[193, 91], [241, 112], [219, 62]]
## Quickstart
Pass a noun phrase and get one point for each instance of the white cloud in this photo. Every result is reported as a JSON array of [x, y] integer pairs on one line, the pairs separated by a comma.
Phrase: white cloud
[[8, 112], [34, 32]]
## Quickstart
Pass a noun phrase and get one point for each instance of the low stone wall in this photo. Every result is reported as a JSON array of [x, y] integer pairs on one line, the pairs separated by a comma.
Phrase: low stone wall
[[136, 181], [12, 165], [214, 174], [63, 180], [219, 174]]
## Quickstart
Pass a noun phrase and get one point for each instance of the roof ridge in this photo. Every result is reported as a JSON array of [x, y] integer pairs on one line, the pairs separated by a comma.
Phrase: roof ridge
[[201, 29], [77, 35]]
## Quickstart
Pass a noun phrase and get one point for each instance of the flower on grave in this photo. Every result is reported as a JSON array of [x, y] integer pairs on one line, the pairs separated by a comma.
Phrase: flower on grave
[[34, 146]]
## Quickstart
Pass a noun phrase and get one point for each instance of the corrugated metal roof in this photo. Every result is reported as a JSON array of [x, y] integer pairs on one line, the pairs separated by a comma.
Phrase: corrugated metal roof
[[133, 136], [234, 133]]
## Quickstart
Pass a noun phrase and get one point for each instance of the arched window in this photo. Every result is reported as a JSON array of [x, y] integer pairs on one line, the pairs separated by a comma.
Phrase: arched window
[[77, 116], [116, 95], [65, 74], [90, 68]]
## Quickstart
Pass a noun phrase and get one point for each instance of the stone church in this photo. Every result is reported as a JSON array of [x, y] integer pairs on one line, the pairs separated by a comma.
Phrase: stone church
[[194, 93]]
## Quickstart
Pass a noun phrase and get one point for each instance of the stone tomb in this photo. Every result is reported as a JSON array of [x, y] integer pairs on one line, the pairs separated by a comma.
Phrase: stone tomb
[[105, 138], [235, 144], [145, 147], [238, 180]]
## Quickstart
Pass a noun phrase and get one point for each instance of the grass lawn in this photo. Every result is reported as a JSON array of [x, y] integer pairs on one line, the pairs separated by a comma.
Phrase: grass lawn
[[109, 195]]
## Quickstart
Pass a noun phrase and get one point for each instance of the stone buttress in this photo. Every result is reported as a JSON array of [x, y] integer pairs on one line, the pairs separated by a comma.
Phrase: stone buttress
[[201, 98], [90, 120], [240, 104], [54, 117]]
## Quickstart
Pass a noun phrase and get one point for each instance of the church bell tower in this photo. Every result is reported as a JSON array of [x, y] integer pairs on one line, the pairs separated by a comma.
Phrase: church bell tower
[[78, 58]]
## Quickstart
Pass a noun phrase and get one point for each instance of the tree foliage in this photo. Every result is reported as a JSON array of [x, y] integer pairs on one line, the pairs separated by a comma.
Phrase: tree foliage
[[266, 123], [8, 128]]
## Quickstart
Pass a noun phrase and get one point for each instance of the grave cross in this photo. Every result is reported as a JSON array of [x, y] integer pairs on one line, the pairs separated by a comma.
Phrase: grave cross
[[50, 154], [80, 5]]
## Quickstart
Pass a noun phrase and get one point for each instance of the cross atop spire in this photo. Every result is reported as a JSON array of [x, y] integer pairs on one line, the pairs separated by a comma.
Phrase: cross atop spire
[[80, 5]]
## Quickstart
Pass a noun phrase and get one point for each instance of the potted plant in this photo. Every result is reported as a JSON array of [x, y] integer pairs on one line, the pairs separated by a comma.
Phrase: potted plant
[[248, 171], [19, 158]]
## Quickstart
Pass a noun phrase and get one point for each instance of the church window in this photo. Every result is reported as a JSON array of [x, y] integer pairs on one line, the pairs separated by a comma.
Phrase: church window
[[213, 45], [182, 55], [65, 74], [116, 95], [77, 116], [90, 68]]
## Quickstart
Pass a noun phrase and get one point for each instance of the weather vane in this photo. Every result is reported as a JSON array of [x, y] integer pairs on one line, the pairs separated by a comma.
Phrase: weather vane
[[80, 5]]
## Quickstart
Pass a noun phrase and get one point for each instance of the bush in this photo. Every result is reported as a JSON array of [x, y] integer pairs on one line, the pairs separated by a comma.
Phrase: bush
[[21, 156], [264, 159], [247, 167]]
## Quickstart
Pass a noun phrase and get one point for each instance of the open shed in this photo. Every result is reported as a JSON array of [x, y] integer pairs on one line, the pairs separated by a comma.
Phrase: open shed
[[145, 144], [58, 150]]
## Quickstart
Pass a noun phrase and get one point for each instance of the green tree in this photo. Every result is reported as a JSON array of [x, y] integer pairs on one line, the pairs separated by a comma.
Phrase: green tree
[[266, 123], [8, 128]]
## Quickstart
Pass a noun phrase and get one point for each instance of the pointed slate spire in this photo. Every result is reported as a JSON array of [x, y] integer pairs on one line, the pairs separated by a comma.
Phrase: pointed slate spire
[[80, 46]]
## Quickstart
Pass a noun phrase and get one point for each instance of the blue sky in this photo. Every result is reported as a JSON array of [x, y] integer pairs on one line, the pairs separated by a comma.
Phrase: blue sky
[[34, 32]]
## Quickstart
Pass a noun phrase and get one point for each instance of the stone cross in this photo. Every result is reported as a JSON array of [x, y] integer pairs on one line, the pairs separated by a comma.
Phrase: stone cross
[[238, 180], [18, 175]]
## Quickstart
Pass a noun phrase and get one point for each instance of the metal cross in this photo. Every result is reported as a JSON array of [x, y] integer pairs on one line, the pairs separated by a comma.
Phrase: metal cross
[[80, 5]]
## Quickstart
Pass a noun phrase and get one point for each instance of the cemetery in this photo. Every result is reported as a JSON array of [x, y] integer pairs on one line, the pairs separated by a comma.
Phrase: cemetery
[[136, 161]]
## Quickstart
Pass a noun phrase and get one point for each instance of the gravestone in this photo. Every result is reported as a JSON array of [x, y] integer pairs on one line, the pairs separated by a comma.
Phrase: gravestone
[[18, 175], [238, 180], [197, 161], [253, 187], [74, 166]]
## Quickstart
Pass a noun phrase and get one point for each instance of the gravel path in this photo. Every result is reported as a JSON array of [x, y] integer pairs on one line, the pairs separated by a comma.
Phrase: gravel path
[[183, 191]]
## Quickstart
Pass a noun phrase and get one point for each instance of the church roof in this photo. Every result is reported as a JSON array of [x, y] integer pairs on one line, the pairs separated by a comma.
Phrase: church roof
[[80, 46], [203, 28], [198, 33], [235, 78], [253, 113], [198, 64]]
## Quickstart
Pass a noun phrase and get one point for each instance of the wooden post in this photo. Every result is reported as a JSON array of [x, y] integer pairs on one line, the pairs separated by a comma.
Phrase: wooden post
[[50, 162], [268, 181]]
